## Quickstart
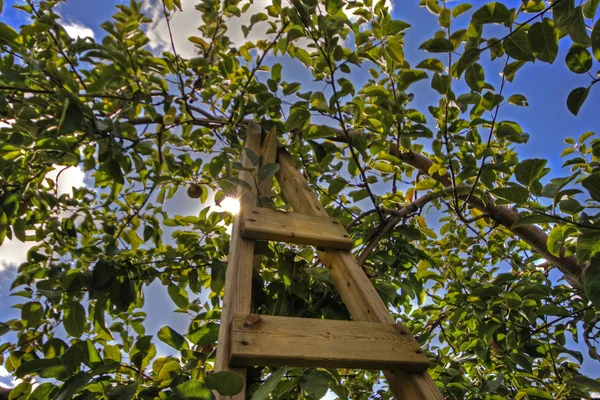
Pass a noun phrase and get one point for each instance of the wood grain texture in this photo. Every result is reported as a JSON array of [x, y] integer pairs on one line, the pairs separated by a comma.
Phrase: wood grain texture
[[267, 224], [355, 288], [238, 279], [268, 155], [302, 342]]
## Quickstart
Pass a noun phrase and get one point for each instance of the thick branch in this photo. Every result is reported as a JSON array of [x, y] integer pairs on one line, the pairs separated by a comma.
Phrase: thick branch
[[534, 236]]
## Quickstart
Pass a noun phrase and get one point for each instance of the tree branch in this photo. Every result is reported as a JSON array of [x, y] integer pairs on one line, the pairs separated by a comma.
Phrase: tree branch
[[397, 216]]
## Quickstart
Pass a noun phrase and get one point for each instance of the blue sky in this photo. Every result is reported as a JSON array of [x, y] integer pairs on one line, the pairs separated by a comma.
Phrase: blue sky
[[547, 119]]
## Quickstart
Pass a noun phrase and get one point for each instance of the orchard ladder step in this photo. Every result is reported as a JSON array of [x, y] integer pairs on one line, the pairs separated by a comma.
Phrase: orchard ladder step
[[259, 223]]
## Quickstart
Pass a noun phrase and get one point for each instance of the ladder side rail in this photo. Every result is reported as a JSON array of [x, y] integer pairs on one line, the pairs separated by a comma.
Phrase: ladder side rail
[[355, 288], [238, 279]]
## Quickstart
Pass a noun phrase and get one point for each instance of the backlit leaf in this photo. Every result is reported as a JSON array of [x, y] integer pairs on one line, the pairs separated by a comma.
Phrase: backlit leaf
[[577, 98], [492, 13], [543, 38], [579, 60], [225, 382]]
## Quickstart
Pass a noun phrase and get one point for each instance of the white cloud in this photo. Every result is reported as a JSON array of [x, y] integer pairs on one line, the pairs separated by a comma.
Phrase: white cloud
[[5, 374], [76, 30], [185, 24], [68, 178], [350, 11], [14, 252]]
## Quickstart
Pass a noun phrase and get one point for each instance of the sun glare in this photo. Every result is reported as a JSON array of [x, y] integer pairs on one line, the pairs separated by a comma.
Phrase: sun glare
[[230, 205]]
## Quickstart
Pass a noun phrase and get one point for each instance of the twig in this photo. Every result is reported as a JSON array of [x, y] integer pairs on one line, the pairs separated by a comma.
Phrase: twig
[[60, 50], [396, 218], [541, 13], [489, 141]]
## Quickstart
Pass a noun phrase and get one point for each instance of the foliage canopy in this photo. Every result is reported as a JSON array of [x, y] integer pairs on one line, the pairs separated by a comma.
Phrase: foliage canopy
[[493, 265]]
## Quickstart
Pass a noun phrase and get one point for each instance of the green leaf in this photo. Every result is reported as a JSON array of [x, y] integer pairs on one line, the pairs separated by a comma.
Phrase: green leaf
[[383, 166], [511, 131], [395, 50], [533, 392], [192, 390], [7, 34], [225, 382], [517, 46], [74, 319], [579, 60], [543, 38], [252, 156], [169, 336], [269, 385], [166, 368], [444, 18], [577, 28], [268, 170], [514, 194], [114, 169], [408, 77], [122, 392], [3, 225], [577, 98], [592, 184], [518, 100], [529, 171], [178, 295], [590, 7], [461, 9], [32, 314], [319, 132], [589, 383], [298, 119], [205, 335], [492, 13], [552, 189], [561, 11], [534, 219], [432, 64], [468, 58], [217, 276], [437, 45], [73, 385], [45, 391], [588, 244], [315, 384], [441, 83], [556, 240], [19, 229], [475, 77], [596, 41], [20, 392], [318, 101]]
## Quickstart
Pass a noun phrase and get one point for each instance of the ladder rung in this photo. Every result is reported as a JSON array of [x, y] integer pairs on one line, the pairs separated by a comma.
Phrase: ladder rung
[[267, 224], [306, 342]]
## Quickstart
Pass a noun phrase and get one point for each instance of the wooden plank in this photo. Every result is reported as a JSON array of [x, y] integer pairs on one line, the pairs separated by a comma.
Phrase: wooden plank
[[267, 224], [238, 279], [354, 286], [268, 155], [305, 342]]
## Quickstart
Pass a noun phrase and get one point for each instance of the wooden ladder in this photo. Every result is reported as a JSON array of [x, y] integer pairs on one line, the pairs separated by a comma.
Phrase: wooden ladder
[[371, 341]]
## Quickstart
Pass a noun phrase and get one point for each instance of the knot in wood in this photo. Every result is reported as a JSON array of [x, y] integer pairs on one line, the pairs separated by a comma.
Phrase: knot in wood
[[251, 321]]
